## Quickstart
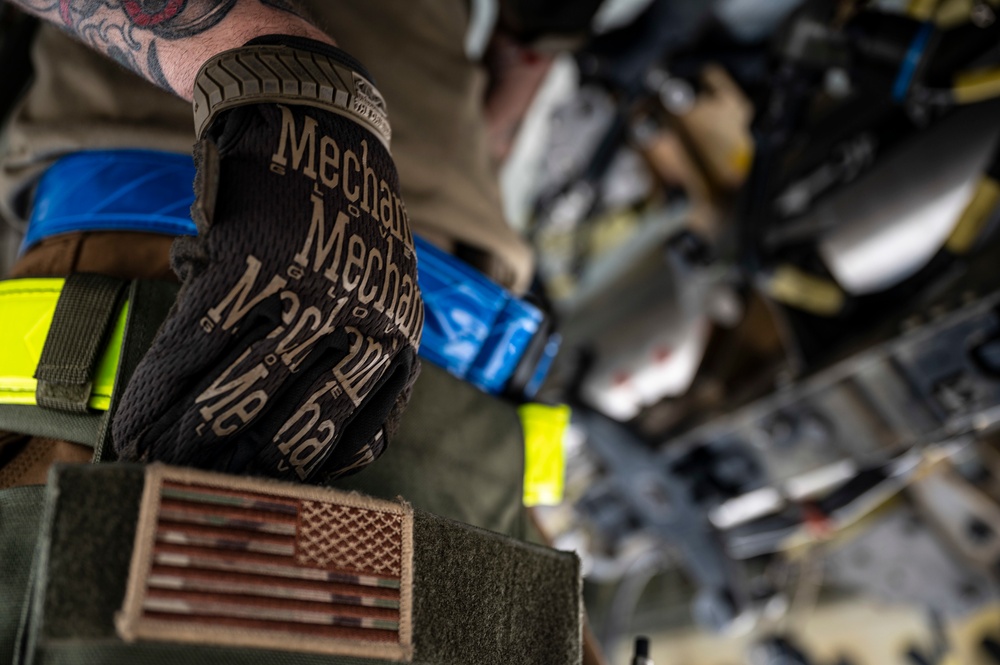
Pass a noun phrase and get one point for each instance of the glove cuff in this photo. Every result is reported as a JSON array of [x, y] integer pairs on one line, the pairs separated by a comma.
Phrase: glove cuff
[[299, 74]]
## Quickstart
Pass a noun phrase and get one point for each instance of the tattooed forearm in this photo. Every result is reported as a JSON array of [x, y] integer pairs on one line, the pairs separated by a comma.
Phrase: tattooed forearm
[[166, 40]]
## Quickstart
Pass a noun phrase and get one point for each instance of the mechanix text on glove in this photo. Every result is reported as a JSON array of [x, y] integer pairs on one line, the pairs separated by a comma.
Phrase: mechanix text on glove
[[292, 345]]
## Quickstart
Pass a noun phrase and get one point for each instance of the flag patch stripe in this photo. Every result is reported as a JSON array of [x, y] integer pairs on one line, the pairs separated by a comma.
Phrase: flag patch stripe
[[180, 583], [167, 620], [270, 609], [229, 521], [230, 499], [228, 564], [226, 532], [169, 486], [177, 537], [236, 579]]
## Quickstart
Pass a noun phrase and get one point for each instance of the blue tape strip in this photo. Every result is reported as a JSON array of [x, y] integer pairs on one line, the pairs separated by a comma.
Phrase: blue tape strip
[[473, 327], [910, 62], [114, 190], [544, 365]]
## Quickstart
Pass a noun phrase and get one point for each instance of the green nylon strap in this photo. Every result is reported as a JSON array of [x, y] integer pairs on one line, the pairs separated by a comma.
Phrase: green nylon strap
[[28, 311], [82, 428], [85, 314]]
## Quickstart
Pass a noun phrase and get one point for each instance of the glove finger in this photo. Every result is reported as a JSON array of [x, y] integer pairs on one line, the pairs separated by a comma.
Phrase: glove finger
[[266, 370], [344, 408], [187, 348], [375, 424], [197, 429], [302, 394]]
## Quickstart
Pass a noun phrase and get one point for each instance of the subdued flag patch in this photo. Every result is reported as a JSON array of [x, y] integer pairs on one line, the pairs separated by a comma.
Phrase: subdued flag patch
[[227, 560]]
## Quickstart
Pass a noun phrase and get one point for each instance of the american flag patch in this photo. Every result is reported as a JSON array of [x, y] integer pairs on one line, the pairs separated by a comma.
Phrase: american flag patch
[[225, 560]]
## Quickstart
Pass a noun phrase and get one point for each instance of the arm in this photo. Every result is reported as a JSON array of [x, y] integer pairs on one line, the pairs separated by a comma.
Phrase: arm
[[166, 41]]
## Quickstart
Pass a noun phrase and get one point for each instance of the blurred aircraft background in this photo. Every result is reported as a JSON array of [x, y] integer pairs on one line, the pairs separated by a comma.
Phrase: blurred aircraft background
[[767, 229]]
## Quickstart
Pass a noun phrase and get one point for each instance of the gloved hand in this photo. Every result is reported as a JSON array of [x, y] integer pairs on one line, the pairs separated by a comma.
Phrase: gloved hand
[[291, 349]]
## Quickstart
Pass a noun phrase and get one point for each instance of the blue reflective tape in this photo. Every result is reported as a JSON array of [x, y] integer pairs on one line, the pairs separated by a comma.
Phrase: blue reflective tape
[[910, 62], [460, 309], [473, 328], [510, 336], [543, 366], [114, 190]]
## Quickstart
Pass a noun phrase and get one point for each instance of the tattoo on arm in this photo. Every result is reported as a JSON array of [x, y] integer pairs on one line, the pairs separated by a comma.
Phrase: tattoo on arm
[[153, 67], [128, 30], [283, 5]]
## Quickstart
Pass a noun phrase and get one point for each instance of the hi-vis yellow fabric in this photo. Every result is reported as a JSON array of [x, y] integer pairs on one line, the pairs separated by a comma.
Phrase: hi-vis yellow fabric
[[544, 461], [26, 310]]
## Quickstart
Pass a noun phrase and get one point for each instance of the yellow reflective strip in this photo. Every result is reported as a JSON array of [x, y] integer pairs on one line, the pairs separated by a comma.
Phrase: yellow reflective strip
[[953, 13], [26, 309], [977, 85], [107, 367], [975, 216], [27, 306], [922, 10], [544, 461], [799, 289]]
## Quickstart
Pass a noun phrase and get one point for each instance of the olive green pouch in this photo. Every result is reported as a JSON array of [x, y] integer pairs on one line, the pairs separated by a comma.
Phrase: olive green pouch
[[20, 513], [463, 594]]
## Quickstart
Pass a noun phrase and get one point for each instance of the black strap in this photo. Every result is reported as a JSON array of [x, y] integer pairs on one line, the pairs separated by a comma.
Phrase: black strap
[[149, 303], [85, 314]]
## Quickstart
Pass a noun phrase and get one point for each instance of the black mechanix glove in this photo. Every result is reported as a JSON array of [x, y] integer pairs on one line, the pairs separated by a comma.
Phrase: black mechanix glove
[[291, 349]]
